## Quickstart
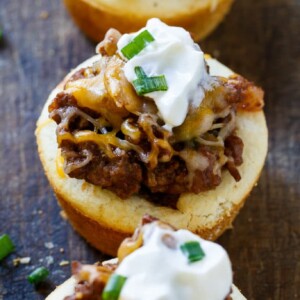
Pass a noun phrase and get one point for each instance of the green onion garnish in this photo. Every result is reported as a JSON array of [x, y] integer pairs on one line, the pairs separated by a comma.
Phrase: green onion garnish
[[38, 275], [144, 85], [140, 73], [6, 246], [113, 288], [150, 84], [137, 44], [193, 251]]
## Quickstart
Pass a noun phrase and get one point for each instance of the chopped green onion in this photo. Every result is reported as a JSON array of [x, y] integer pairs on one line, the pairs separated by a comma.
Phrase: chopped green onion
[[113, 288], [140, 73], [144, 84], [150, 84], [6, 246], [137, 44], [193, 251], [38, 275]]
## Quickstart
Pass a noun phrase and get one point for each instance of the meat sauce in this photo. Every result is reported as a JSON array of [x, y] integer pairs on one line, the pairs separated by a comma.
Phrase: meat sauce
[[120, 144]]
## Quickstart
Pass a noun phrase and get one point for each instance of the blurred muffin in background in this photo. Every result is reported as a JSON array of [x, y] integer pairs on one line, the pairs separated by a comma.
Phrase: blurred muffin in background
[[94, 17]]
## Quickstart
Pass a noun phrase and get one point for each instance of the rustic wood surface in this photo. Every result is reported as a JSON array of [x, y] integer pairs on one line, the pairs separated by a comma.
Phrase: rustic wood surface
[[259, 39]]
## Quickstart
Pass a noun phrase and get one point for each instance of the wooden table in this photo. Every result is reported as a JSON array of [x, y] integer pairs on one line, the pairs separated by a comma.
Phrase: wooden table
[[259, 39]]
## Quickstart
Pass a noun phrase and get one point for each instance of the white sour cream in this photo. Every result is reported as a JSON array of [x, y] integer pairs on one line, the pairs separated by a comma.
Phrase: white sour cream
[[157, 272], [174, 54]]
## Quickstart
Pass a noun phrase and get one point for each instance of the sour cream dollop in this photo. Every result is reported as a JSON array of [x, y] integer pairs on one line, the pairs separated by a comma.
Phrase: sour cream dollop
[[157, 271], [173, 54]]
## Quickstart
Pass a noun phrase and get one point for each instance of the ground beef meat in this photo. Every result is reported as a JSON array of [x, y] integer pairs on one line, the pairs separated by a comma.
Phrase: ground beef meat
[[167, 177], [233, 150], [91, 280], [125, 174], [173, 177], [86, 291], [207, 179], [63, 101], [244, 93], [121, 175]]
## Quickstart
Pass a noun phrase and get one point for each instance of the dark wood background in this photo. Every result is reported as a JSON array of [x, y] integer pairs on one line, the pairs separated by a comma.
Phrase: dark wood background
[[260, 39]]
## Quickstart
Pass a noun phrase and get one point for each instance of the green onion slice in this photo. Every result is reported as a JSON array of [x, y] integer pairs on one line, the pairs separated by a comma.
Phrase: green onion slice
[[140, 73], [193, 251], [113, 287], [137, 44], [6, 246], [144, 85], [150, 84], [38, 275]]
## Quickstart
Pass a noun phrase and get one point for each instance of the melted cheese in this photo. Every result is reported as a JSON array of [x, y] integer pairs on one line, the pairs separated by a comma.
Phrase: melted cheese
[[104, 141], [60, 165], [89, 92]]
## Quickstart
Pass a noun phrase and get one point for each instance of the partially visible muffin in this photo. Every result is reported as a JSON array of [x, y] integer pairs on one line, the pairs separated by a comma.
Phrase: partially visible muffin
[[94, 17]]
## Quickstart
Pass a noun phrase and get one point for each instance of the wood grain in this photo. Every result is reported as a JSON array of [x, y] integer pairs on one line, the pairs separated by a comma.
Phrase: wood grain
[[259, 39]]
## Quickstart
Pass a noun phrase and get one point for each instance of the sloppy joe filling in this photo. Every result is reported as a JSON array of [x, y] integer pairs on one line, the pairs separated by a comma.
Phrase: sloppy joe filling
[[114, 138]]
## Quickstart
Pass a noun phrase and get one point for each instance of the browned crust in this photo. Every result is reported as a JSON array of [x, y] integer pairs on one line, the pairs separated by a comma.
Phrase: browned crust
[[108, 240], [105, 239], [95, 20]]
